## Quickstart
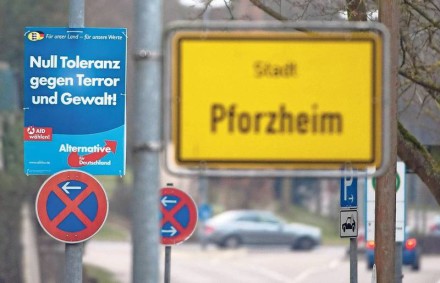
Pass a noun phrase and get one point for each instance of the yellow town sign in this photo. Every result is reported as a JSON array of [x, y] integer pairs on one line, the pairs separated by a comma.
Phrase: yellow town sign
[[266, 99]]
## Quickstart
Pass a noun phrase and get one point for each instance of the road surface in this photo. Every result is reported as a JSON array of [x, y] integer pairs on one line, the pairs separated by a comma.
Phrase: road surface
[[191, 264]]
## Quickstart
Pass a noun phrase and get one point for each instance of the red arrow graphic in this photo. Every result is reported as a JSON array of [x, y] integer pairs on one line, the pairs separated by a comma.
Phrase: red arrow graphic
[[74, 158]]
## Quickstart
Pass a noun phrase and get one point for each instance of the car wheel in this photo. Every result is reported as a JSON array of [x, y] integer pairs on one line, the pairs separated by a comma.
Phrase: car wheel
[[231, 242], [416, 264], [304, 244]]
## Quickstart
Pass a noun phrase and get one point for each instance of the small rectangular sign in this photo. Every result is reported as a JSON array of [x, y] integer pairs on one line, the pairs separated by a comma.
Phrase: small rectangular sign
[[74, 100], [349, 224], [370, 184], [349, 192]]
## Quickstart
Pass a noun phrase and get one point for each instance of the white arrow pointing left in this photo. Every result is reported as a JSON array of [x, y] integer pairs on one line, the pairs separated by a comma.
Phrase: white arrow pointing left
[[172, 231], [66, 188], [165, 201]]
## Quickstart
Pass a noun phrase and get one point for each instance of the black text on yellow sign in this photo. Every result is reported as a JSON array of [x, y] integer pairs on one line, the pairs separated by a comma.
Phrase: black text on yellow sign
[[278, 100]]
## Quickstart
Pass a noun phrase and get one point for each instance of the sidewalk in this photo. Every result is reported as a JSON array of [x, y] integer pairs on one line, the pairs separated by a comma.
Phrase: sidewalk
[[30, 259], [112, 256]]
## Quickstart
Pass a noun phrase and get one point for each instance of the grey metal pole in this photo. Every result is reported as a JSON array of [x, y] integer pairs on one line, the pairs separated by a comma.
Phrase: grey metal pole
[[73, 269], [203, 200], [353, 261], [73, 263], [399, 275], [147, 140], [76, 13], [167, 264]]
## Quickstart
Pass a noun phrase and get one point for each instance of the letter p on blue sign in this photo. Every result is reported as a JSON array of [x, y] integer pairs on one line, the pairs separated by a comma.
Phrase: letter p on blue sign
[[349, 192]]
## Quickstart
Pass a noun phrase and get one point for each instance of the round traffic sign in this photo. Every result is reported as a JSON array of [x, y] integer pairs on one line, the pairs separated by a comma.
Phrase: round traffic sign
[[71, 206], [178, 216]]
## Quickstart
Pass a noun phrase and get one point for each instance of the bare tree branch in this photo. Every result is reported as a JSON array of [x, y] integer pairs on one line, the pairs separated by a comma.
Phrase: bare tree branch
[[419, 160], [228, 6], [356, 10], [276, 15], [425, 15], [424, 83], [208, 3]]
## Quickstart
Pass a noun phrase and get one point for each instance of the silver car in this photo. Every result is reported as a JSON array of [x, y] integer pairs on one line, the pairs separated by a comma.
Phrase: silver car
[[254, 227]]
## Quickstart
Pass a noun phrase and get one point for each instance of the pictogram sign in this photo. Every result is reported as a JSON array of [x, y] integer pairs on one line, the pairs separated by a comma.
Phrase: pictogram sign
[[178, 216], [71, 206], [349, 223]]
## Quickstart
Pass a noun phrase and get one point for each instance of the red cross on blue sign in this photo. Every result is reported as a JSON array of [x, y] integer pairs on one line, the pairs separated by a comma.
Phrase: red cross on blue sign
[[178, 216], [71, 206]]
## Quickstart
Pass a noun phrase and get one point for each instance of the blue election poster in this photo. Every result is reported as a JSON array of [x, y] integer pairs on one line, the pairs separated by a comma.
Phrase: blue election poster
[[74, 100]]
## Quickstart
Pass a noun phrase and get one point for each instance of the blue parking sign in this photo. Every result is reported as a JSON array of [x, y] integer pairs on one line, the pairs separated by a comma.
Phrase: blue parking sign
[[74, 100], [348, 191]]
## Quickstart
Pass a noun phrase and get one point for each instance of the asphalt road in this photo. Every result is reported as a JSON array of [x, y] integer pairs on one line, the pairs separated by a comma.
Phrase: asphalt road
[[191, 264]]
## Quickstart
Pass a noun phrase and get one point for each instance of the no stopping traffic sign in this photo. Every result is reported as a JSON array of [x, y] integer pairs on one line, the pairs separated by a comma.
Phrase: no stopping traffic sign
[[71, 206], [178, 216]]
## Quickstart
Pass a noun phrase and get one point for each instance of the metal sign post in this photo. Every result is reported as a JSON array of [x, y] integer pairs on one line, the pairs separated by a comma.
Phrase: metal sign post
[[349, 223], [167, 264], [73, 255], [353, 260], [178, 221]]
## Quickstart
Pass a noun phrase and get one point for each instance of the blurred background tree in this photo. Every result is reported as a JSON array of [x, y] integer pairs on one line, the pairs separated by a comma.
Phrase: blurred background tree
[[15, 187]]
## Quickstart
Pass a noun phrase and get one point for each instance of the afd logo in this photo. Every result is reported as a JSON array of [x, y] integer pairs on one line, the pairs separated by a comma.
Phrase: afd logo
[[35, 35], [32, 133]]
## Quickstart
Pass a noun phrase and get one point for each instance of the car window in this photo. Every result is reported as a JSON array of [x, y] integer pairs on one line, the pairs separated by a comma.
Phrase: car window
[[223, 218], [267, 218], [248, 218]]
